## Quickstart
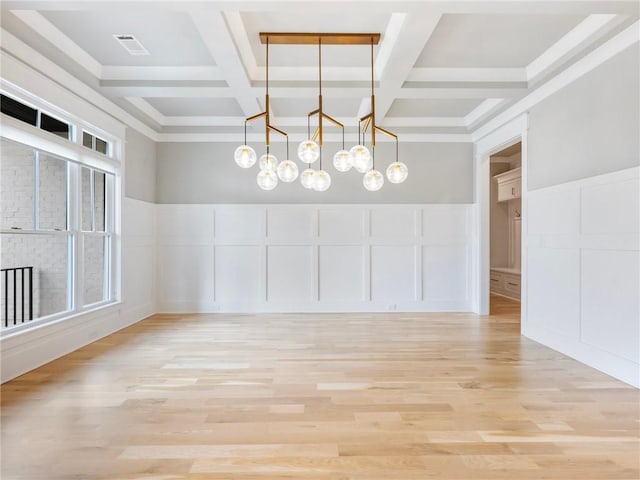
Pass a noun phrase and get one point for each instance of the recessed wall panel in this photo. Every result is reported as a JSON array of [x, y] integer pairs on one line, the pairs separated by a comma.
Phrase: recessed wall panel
[[237, 273], [445, 224], [289, 273], [445, 273], [609, 301], [612, 208], [393, 273], [185, 272], [553, 289], [554, 212], [393, 223], [341, 273], [193, 222], [239, 223], [343, 223], [137, 273], [291, 223]]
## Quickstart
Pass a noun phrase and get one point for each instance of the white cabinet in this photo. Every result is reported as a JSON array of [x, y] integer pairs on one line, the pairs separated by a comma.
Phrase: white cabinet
[[505, 281], [509, 185]]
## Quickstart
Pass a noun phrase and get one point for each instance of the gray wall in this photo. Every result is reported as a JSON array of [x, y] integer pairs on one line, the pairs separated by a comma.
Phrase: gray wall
[[588, 128], [140, 173], [206, 173]]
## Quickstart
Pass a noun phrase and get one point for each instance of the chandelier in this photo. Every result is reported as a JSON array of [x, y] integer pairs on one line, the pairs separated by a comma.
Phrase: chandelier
[[359, 157]]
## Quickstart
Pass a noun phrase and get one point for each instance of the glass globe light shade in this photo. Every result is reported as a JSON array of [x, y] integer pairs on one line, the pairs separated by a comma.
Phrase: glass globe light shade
[[245, 156], [287, 171], [361, 158], [397, 172], [267, 179], [342, 161], [306, 177], [373, 180], [268, 162], [308, 151], [321, 181]]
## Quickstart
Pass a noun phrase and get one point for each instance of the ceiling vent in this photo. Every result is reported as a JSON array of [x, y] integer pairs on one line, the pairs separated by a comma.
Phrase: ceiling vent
[[131, 44]]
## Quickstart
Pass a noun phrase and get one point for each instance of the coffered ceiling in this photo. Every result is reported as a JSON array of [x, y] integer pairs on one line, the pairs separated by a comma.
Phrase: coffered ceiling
[[442, 69]]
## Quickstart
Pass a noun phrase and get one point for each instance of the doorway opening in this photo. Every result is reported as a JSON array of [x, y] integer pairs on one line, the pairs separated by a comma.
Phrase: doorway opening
[[505, 239]]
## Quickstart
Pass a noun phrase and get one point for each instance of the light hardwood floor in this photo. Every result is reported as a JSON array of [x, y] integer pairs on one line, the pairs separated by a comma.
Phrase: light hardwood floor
[[318, 397]]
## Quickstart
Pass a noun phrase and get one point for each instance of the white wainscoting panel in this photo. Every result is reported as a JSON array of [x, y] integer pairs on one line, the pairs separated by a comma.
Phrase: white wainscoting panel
[[609, 301], [445, 277], [186, 224], [314, 258], [394, 223], [342, 223], [341, 273], [584, 269], [290, 270], [237, 272], [239, 224], [286, 224], [186, 273], [554, 275], [443, 226], [28, 349], [393, 273]]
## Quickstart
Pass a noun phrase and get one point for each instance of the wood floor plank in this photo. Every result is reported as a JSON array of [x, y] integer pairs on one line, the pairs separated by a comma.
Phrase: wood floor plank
[[320, 397]]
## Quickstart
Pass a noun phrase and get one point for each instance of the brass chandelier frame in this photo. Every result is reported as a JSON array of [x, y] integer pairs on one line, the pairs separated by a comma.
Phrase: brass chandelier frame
[[303, 38], [266, 114]]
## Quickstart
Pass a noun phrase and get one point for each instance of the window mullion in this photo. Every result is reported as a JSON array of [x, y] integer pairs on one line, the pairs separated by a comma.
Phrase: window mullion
[[75, 225], [36, 194]]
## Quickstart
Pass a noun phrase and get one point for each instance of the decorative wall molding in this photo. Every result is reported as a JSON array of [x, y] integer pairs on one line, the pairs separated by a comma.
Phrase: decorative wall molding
[[584, 269], [314, 258]]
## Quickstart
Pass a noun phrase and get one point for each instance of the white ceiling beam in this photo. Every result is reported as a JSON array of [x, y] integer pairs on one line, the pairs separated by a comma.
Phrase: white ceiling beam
[[241, 39], [312, 92], [412, 35], [467, 75], [200, 73], [146, 108], [330, 138], [310, 74], [215, 34], [585, 31], [466, 92], [51, 33], [482, 110], [146, 91], [217, 121], [388, 43], [423, 122]]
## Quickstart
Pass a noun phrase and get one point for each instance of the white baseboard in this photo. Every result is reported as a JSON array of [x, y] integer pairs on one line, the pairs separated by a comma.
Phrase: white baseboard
[[311, 307], [613, 365], [33, 348]]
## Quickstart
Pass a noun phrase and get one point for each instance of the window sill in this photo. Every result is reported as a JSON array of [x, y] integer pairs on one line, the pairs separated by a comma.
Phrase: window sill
[[61, 321]]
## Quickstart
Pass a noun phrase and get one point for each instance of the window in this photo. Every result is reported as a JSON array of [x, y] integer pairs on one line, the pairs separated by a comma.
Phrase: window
[[96, 234], [35, 117], [18, 110], [54, 126], [95, 143], [35, 240], [56, 220]]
